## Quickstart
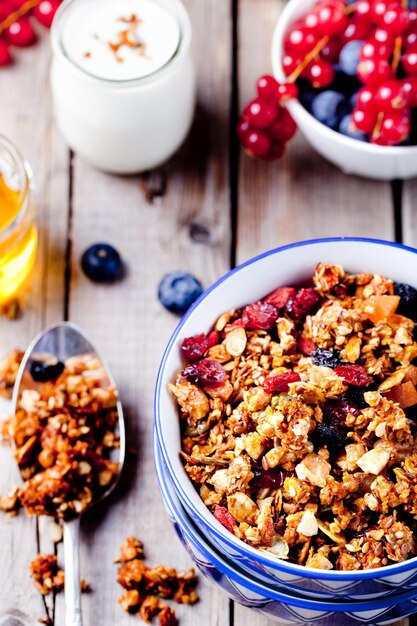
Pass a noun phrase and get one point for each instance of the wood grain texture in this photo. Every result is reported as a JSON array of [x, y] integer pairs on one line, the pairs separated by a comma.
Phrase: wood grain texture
[[25, 118], [174, 218]]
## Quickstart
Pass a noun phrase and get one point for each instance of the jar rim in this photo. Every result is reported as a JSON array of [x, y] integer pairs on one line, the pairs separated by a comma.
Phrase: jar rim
[[175, 7], [24, 173]]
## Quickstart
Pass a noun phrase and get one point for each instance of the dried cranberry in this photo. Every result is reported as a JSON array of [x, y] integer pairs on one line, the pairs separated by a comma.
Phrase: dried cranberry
[[225, 518], [306, 346], [259, 316], [327, 436], [280, 297], [353, 374], [302, 303], [213, 338], [279, 382], [269, 479], [205, 373], [326, 358], [193, 348], [336, 411]]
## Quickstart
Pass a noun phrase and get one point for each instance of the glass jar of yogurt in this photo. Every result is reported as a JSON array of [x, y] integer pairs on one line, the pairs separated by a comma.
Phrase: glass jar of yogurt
[[18, 234], [123, 80]]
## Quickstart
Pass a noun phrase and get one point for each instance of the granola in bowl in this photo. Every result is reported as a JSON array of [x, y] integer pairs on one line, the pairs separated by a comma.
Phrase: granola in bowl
[[297, 420], [62, 436]]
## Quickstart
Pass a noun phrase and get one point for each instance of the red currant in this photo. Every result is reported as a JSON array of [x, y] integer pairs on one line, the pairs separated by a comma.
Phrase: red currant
[[366, 99], [378, 8], [331, 51], [45, 11], [242, 128], [395, 128], [391, 96], [284, 128], [373, 49], [319, 73], [267, 87], [394, 19], [20, 33], [410, 37], [383, 36], [256, 143], [409, 62], [363, 10], [374, 70], [331, 18], [6, 8], [276, 152], [412, 15], [290, 63], [310, 20], [287, 91], [5, 57], [261, 113], [356, 29], [364, 119], [301, 40], [410, 89]]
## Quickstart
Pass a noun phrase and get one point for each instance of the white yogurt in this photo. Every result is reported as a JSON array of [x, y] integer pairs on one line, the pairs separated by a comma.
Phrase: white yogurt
[[123, 80], [89, 33]]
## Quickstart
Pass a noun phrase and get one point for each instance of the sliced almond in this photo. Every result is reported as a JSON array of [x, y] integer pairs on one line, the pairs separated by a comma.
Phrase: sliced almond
[[235, 341]]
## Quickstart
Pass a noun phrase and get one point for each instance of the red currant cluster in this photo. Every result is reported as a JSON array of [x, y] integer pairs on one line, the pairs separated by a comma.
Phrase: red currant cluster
[[372, 42], [266, 126], [16, 28]]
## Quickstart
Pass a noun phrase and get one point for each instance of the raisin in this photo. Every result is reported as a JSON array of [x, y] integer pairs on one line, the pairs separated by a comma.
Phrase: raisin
[[225, 518], [327, 358], [408, 300], [355, 395], [327, 436], [205, 373], [193, 348], [279, 382], [42, 372], [280, 297], [304, 301], [269, 479], [306, 346], [353, 374], [259, 316]]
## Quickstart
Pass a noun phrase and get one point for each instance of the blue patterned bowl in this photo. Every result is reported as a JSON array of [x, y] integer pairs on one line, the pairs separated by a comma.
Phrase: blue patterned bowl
[[287, 265], [278, 605]]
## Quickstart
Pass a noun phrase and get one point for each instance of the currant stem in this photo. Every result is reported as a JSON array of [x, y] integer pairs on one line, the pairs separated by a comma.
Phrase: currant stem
[[308, 58], [397, 53], [378, 125], [25, 8]]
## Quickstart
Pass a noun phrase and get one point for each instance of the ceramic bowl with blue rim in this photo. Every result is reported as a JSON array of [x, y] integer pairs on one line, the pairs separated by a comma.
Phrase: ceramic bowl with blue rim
[[276, 605], [287, 265]]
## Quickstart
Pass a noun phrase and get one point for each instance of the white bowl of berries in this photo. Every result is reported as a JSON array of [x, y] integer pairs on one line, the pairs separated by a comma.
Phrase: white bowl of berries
[[353, 67]]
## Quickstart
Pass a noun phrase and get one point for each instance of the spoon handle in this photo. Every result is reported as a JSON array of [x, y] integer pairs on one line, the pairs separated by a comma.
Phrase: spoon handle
[[72, 573]]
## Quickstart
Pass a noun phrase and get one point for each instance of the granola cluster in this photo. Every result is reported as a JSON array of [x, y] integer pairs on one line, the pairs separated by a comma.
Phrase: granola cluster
[[299, 421], [62, 436], [46, 574], [145, 586]]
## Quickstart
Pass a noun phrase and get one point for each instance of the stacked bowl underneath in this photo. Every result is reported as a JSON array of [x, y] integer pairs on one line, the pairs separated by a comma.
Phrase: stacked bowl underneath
[[290, 593]]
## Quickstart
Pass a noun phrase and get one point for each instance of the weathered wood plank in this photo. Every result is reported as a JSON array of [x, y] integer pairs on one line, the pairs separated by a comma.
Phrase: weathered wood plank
[[300, 197], [409, 216], [25, 118], [177, 217]]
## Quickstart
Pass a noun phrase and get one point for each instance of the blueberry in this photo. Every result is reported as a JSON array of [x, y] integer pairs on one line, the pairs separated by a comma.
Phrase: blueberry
[[102, 263], [344, 83], [353, 100], [350, 56], [347, 128], [327, 436], [326, 358], [41, 371], [178, 290], [412, 4], [306, 93], [408, 301], [329, 107], [354, 395]]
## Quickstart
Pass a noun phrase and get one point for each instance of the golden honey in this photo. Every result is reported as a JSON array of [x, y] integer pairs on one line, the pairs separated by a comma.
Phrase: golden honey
[[18, 235]]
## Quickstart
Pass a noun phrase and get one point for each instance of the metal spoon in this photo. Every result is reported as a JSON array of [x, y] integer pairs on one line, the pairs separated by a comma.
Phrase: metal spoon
[[63, 341]]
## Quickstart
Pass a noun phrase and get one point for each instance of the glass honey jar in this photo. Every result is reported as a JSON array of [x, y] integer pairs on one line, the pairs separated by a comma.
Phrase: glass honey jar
[[18, 234]]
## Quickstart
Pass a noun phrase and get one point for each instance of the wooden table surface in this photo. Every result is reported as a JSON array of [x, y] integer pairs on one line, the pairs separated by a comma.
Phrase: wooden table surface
[[209, 208]]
